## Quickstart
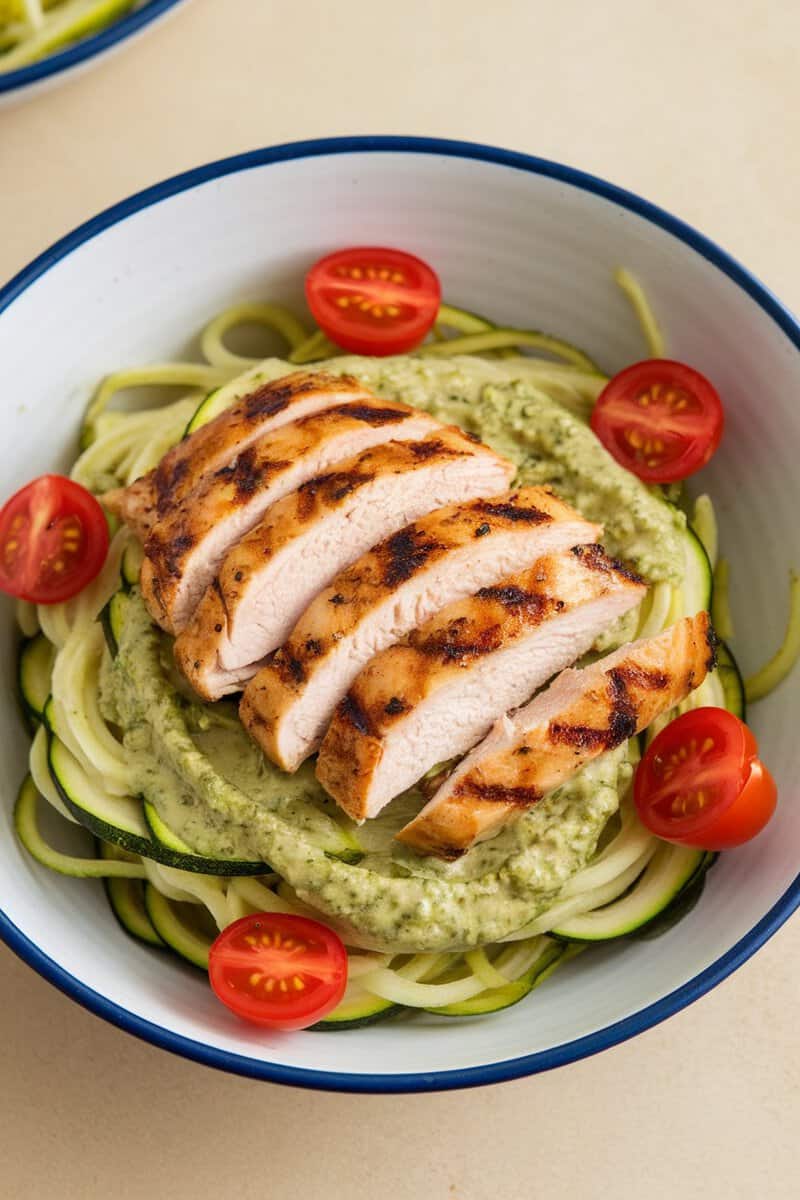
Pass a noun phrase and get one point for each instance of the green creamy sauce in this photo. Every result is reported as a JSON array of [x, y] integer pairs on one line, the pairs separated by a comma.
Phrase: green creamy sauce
[[213, 787]]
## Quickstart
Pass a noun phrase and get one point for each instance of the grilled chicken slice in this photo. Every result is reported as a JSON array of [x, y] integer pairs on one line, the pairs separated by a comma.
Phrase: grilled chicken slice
[[270, 577], [581, 715], [389, 591], [186, 548], [218, 443], [435, 695]]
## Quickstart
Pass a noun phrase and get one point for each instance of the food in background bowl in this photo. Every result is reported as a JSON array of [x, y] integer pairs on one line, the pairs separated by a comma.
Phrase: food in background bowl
[[390, 556], [32, 29]]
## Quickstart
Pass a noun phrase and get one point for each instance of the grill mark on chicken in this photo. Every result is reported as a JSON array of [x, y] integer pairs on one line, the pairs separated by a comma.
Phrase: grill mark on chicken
[[447, 646], [168, 556], [332, 487], [289, 668], [516, 514], [431, 449], [712, 641], [405, 553], [371, 415], [596, 559], [167, 479], [247, 474], [498, 793], [622, 718], [352, 711]]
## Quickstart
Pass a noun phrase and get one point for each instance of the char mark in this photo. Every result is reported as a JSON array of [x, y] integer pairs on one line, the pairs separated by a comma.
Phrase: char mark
[[395, 707], [168, 556], [169, 477], [515, 513], [450, 645], [290, 669], [405, 554], [516, 599], [622, 721], [352, 712], [498, 793], [595, 558], [422, 451], [247, 474], [270, 398], [371, 415], [712, 642]]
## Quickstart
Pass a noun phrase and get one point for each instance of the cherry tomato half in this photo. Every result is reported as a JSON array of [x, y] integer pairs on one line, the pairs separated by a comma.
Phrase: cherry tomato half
[[278, 970], [701, 782], [53, 540], [660, 419], [373, 300]]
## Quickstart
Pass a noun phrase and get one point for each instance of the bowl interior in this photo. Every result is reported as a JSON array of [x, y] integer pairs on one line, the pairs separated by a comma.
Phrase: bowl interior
[[521, 246]]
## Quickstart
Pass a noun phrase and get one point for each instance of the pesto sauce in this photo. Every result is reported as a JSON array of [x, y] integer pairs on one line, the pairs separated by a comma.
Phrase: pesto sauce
[[213, 787]]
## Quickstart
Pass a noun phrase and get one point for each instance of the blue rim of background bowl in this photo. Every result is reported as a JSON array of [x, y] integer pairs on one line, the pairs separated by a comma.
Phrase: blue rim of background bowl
[[541, 1060], [85, 49]]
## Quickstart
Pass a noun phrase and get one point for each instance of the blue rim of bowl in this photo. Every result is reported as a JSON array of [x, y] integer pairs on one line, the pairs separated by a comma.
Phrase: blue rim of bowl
[[541, 1060], [87, 48]]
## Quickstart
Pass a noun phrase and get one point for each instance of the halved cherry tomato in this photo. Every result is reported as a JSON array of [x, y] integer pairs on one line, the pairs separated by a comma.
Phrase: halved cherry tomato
[[53, 540], [701, 782], [278, 970], [660, 419], [373, 300]]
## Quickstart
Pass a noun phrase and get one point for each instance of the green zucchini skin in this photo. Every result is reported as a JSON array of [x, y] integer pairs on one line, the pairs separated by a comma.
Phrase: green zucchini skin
[[169, 844], [34, 671], [732, 683], [496, 999], [189, 944], [664, 879], [126, 901], [367, 1011], [121, 821], [112, 619]]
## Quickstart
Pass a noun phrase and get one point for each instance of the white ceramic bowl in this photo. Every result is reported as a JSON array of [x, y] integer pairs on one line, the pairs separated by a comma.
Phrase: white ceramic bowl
[[521, 240], [48, 72]]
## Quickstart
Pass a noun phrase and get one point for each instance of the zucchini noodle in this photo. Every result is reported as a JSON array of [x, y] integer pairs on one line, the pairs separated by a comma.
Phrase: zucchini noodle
[[704, 523], [270, 316], [182, 907], [32, 29], [721, 615], [781, 663], [644, 313]]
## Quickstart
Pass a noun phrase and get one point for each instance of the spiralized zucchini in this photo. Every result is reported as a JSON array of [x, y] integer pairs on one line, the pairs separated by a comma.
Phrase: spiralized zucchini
[[119, 446]]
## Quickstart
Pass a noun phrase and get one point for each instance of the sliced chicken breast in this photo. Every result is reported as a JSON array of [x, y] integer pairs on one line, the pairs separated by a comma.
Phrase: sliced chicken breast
[[435, 695], [218, 443], [270, 577], [389, 591], [186, 549], [582, 714]]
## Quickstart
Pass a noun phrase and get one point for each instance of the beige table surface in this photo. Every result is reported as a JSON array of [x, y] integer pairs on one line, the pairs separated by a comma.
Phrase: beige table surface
[[695, 105]]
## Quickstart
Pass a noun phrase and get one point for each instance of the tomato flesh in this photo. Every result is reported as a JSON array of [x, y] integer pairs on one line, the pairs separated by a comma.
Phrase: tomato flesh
[[660, 419], [278, 970], [53, 540], [373, 300], [701, 782]]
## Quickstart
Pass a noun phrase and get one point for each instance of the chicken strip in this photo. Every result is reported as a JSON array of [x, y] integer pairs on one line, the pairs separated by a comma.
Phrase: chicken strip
[[435, 695], [270, 577], [187, 465], [389, 591], [186, 548], [582, 714]]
